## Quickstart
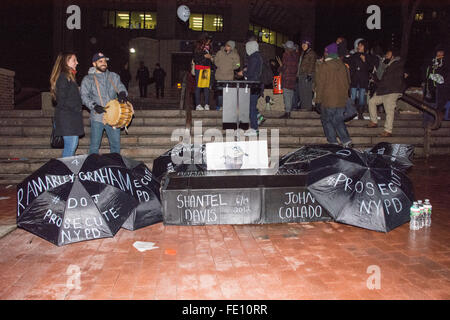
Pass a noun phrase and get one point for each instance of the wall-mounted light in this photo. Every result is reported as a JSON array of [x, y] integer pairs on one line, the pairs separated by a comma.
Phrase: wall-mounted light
[[132, 50]]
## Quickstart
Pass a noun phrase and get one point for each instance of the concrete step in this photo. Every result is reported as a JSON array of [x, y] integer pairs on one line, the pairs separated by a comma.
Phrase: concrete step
[[46, 131], [15, 144], [47, 153], [138, 113], [126, 140]]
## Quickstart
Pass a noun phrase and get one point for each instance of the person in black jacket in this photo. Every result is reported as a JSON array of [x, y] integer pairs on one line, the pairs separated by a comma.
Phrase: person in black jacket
[[253, 73], [159, 75], [143, 77], [68, 109], [203, 63], [361, 66], [125, 75], [390, 85]]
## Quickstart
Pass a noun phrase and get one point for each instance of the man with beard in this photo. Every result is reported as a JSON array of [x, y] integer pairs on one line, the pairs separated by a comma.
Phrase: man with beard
[[97, 89]]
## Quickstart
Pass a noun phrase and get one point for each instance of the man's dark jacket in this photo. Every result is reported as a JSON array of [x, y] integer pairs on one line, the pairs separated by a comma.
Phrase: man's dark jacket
[[392, 80]]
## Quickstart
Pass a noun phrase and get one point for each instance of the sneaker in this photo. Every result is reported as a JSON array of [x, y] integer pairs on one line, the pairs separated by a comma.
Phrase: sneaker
[[206, 106], [261, 119], [348, 145], [199, 107], [251, 133], [385, 134]]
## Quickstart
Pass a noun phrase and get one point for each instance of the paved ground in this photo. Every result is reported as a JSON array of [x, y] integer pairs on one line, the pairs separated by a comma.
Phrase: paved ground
[[282, 261]]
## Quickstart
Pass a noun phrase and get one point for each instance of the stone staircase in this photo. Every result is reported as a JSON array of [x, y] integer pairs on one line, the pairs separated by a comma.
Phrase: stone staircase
[[171, 99], [25, 136]]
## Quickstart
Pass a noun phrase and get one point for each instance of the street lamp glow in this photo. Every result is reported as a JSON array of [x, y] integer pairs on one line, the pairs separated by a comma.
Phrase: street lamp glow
[[132, 50]]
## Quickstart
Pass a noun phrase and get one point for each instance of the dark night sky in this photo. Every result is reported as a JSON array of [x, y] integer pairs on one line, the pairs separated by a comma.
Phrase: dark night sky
[[26, 32]]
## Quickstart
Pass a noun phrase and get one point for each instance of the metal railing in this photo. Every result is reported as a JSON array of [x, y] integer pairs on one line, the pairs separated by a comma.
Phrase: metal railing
[[428, 108]]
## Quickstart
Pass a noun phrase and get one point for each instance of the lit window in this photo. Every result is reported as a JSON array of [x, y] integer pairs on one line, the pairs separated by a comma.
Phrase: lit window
[[419, 16], [150, 20], [122, 19], [137, 20], [212, 22], [196, 22], [129, 20], [205, 22]]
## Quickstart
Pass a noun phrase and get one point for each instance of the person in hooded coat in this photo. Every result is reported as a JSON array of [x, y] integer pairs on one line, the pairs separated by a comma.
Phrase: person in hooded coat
[[331, 86], [253, 73]]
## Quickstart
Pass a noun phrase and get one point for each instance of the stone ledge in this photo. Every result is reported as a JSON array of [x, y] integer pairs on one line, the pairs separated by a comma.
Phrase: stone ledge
[[7, 72]]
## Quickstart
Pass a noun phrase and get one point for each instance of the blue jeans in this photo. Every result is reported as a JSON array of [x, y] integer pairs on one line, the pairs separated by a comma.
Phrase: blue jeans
[[358, 95], [97, 134], [254, 111], [288, 96], [70, 146], [332, 123], [198, 91]]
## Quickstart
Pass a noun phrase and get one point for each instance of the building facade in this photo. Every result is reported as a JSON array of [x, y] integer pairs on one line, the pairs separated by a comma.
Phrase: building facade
[[150, 31]]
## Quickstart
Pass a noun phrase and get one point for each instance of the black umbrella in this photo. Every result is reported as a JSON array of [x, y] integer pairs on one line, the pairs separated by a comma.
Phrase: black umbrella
[[181, 158], [399, 155], [148, 211], [361, 189], [78, 198], [298, 160]]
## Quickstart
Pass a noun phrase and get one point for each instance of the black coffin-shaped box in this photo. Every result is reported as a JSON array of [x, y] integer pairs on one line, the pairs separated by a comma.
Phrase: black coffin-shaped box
[[209, 199], [286, 199]]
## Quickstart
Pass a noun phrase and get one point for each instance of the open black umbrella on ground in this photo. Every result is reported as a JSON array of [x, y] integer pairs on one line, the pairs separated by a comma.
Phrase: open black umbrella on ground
[[399, 155], [361, 189], [148, 211], [78, 198], [298, 161], [181, 158]]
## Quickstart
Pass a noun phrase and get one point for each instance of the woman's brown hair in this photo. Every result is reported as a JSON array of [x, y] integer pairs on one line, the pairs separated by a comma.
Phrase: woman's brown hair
[[59, 67]]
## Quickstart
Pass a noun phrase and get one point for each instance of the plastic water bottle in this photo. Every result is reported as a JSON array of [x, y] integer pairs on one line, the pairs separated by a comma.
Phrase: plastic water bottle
[[414, 215], [422, 214], [427, 206]]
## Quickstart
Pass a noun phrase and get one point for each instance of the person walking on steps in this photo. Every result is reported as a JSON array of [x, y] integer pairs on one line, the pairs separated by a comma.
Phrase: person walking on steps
[[389, 87], [143, 78], [332, 82], [159, 76]]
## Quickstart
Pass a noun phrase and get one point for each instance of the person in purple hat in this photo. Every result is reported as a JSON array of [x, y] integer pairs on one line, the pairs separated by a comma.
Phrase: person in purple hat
[[332, 82], [305, 74]]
